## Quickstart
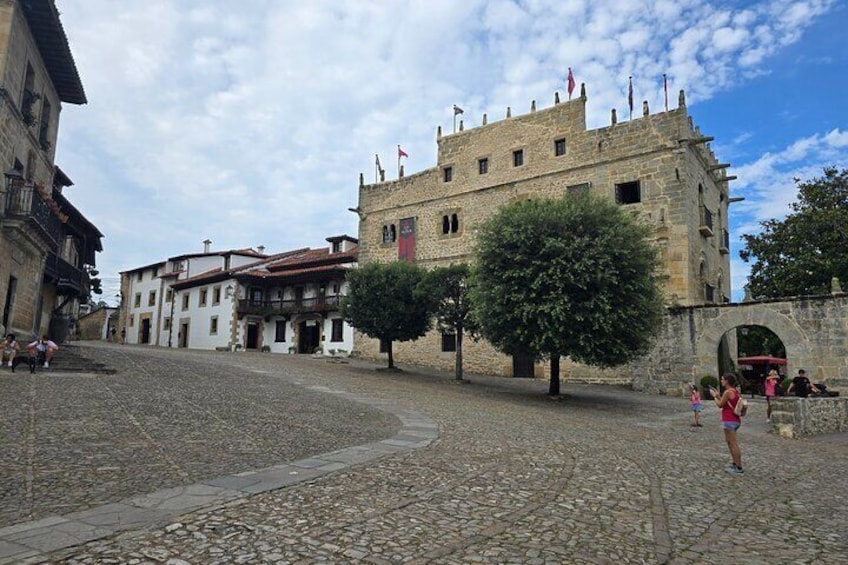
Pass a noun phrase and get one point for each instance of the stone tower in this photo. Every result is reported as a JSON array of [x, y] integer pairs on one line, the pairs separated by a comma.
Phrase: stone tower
[[659, 166]]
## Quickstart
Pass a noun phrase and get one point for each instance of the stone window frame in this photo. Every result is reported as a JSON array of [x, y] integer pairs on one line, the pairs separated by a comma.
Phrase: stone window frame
[[203, 297], [483, 165], [447, 173], [619, 194], [216, 295], [166, 323], [451, 219], [519, 156], [213, 325], [186, 297], [388, 235], [137, 300], [151, 298], [560, 140]]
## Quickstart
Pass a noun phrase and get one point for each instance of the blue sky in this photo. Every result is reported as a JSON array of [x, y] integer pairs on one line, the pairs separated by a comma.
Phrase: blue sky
[[250, 126]]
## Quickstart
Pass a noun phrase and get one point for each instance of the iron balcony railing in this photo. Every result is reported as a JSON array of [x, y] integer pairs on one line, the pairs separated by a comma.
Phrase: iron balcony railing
[[278, 307], [23, 202]]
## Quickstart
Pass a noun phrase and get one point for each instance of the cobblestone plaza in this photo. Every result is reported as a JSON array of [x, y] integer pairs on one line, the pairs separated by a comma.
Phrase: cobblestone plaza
[[205, 457]]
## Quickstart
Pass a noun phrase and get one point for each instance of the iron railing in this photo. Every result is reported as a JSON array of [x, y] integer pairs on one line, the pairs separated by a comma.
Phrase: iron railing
[[68, 278], [25, 203]]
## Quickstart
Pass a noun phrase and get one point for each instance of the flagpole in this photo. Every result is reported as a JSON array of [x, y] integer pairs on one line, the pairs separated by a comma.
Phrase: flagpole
[[665, 90], [398, 170], [630, 97], [376, 168]]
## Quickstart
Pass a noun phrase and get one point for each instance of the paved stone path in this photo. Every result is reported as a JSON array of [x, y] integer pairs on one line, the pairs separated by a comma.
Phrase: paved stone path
[[487, 472]]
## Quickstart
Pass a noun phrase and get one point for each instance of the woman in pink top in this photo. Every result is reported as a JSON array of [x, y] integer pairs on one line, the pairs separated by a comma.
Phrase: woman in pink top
[[730, 422], [771, 385]]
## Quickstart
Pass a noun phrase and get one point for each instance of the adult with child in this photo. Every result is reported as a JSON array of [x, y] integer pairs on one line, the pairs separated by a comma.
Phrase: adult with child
[[10, 350], [730, 422], [771, 384], [42, 345]]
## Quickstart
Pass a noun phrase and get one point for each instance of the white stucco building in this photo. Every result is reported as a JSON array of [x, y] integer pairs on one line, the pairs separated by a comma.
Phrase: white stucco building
[[285, 303]]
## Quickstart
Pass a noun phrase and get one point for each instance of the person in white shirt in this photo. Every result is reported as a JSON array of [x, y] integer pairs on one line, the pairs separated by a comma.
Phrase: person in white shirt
[[43, 344]]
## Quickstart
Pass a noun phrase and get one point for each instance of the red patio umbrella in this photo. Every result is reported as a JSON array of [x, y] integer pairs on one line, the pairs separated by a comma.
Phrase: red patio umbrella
[[761, 360]]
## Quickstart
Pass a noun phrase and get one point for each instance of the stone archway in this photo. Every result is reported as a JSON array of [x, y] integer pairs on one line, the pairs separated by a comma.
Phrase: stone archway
[[799, 351]]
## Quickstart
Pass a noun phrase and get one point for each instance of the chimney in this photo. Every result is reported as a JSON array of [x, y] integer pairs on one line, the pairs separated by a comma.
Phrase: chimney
[[206, 244], [261, 249]]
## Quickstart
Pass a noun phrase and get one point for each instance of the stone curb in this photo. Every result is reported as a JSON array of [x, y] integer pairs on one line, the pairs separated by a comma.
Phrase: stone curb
[[32, 540]]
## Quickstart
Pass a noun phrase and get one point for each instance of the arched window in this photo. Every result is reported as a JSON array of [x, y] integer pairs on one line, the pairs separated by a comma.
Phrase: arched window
[[392, 233], [445, 224], [454, 227]]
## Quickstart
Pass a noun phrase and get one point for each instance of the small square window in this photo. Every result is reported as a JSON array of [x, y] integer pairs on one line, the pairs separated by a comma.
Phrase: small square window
[[447, 174], [137, 301], [166, 323], [628, 193], [559, 147], [185, 301], [213, 325], [203, 297], [517, 157], [140, 276], [216, 295], [169, 295], [151, 298], [483, 166]]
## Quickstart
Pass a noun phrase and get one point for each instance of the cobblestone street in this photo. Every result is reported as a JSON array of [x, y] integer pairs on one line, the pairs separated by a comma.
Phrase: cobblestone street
[[380, 467]]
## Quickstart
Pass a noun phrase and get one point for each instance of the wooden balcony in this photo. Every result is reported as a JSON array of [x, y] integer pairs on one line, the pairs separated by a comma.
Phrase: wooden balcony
[[69, 280], [266, 308]]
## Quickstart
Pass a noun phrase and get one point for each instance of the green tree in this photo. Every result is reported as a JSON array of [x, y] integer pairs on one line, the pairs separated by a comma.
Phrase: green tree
[[801, 253], [450, 286], [568, 277], [389, 302]]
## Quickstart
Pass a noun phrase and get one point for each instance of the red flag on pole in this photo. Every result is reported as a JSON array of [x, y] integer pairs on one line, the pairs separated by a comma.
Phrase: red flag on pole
[[571, 83], [401, 153], [630, 97]]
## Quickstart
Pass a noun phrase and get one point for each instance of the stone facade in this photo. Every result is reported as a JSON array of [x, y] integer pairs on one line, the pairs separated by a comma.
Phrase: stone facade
[[813, 329], [659, 166], [794, 417], [45, 242]]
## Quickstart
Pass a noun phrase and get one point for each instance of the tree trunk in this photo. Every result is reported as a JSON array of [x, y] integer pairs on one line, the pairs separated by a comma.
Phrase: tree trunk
[[458, 368], [554, 387], [391, 357]]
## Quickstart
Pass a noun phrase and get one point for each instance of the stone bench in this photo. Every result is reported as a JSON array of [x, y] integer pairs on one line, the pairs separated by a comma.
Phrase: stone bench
[[792, 417]]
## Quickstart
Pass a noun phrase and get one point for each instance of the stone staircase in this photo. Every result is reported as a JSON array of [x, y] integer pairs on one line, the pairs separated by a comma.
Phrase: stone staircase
[[69, 359]]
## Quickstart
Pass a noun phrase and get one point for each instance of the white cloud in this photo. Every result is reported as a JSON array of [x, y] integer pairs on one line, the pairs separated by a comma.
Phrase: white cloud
[[251, 125]]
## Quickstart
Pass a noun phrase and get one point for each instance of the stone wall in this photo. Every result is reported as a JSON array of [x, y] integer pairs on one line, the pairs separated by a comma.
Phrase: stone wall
[[794, 417], [813, 329]]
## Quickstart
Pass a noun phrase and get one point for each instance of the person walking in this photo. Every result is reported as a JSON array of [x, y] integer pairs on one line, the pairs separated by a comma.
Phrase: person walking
[[730, 422], [772, 380], [695, 405]]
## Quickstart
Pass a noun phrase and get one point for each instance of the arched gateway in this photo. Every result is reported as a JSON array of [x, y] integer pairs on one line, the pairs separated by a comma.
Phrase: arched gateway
[[813, 329]]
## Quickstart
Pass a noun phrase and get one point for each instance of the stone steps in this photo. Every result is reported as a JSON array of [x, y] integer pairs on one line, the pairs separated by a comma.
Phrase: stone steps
[[69, 359]]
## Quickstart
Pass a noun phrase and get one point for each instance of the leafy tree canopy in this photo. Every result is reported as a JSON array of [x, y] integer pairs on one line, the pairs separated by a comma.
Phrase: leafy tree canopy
[[801, 253], [450, 287], [388, 301], [571, 277]]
